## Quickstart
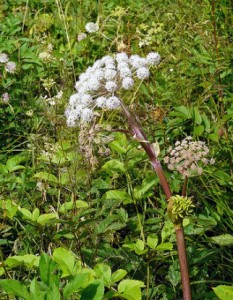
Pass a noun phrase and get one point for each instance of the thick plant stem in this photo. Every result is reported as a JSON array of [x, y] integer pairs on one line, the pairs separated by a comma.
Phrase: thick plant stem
[[140, 136], [183, 262]]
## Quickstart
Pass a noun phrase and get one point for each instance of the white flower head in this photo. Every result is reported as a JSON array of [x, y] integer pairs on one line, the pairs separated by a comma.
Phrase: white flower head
[[87, 115], [5, 97], [122, 57], [101, 102], [3, 58], [91, 27], [113, 102], [143, 73], [111, 86], [10, 67], [100, 84], [127, 83], [110, 74], [153, 58], [125, 72], [81, 36]]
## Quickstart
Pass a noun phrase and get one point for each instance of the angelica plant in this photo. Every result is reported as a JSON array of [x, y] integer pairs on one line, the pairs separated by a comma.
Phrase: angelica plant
[[101, 87]]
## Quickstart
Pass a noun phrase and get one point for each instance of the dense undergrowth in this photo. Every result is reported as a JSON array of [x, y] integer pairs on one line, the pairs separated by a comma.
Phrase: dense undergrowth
[[82, 213]]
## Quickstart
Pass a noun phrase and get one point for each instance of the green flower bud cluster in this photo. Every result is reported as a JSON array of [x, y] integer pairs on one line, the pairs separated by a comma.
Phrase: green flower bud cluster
[[179, 207]]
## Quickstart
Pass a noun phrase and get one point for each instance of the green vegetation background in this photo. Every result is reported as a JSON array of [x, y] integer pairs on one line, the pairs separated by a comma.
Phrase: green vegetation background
[[67, 213]]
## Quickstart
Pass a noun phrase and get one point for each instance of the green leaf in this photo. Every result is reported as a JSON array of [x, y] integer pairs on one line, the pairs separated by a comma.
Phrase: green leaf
[[35, 214], [198, 130], [224, 292], [167, 231], [66, 261], [81, 204], [114, 165], [164, 247], [28, 260], [12, 163], [15, 287], [46, 177], [77, 283], [223, 239], [3, 169], [182, 111], [9, 208], [130, 289], [46, 218], [120, 143], [94, 291], [118, 275], [104, 272], [128, 284], [147, 184], [48, 270], [26, 213], [197, 116], [152, 240], [35, 292], [119, 195]]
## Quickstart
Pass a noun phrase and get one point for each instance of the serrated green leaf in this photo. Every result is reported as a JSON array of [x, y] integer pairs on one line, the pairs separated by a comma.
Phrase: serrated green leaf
[[15, 287]]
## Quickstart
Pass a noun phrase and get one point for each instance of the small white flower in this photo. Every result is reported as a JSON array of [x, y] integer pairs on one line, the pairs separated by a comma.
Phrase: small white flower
[[122, 57], [99, 74], [5, 97], [122, 65], [101, 102], [110, 74], [3, 58], [59, 95], [93, 84], [125, 72], [153, 58], [10, 67], [127, 83], [113, 102], [86, 100], [111, 86], [87, 115], [81, 36], [91, 27], [75, 99], [143, 73]]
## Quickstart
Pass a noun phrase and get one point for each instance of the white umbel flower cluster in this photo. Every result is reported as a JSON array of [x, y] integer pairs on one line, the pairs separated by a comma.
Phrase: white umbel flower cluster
[[100, 85]]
